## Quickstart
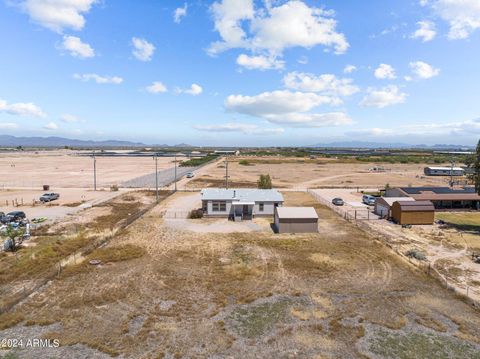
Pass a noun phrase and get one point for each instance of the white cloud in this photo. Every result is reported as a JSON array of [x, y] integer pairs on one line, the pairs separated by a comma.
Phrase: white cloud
[[277, 103], [58, 14], [157, 87], [98, 79], [422, 70], [463, 16], [244, 128], [349, 69], [273, 29], [370, 132], [288, 108], [303, 60], [384, 72], [68, 118], [462, 128], [142, 49], [21, 109], [8, 125], [260, 62], [386, 96], [179, 13], [77, 48], [194, 90], [426, 31], [328, 119], [51, 126], [326, 84]]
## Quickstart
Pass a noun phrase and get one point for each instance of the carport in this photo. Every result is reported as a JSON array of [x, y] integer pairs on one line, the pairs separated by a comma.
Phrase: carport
[[296, 220]]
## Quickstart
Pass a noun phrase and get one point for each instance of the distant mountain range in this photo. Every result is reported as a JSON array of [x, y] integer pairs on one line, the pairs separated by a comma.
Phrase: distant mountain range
[[365, 144], [12, 141]]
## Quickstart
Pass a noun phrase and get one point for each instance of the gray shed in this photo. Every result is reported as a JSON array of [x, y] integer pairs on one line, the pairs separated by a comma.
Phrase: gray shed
[[296, 220]]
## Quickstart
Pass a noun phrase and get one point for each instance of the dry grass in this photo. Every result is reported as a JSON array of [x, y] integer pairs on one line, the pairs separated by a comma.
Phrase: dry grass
[[242, 294]]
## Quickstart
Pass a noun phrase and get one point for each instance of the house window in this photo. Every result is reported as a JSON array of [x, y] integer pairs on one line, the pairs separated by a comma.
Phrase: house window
[[219, 206], [261, 207]]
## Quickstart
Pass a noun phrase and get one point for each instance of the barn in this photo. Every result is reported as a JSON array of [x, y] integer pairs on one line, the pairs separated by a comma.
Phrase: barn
[[417, 212], [296, 220], [383, 205]]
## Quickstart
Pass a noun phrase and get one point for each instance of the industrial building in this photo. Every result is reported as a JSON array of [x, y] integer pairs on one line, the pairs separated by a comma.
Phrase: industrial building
[[444, 171], [383, 205], [240, 204], [296, 220], [443, 198], [413, 212]]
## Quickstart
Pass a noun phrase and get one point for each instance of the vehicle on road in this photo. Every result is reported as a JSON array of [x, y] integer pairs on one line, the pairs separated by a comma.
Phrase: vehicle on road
[[48, 197], [189, 175], [338, 201], [3, 218], [16, 216], [368, 200]]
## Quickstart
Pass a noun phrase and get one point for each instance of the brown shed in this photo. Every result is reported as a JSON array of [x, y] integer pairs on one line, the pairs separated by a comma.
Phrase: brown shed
[[296, 220], [417, 212]]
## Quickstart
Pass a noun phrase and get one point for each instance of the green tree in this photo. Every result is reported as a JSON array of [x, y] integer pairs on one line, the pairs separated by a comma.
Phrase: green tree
[[264, 182], [13, 234], [476, 173]]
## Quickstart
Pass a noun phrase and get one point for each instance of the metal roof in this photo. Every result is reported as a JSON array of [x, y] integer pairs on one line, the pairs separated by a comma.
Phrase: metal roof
[[446, 168], [297, 212], [416, 206], [390, 200], [439, 190], [241, 195]]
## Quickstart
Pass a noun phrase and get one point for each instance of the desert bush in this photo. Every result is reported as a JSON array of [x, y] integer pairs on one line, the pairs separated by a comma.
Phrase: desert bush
[[244, 163], [196, 214], [114, 188], [264, 182], [417, 254]]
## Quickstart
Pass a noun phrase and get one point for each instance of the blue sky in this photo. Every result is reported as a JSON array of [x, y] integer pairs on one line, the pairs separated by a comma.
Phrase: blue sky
[[241, 72]]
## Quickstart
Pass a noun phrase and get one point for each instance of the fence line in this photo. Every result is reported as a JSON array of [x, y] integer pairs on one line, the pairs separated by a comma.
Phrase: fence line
[[464, 291]]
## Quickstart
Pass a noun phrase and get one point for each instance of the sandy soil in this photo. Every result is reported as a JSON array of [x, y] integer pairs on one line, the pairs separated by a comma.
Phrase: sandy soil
[[332, 294], [61, 169], [299, 173]]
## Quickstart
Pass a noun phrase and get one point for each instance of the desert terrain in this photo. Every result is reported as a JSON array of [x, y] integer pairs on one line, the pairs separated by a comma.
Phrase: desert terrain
[[312, 173], [166, 292]]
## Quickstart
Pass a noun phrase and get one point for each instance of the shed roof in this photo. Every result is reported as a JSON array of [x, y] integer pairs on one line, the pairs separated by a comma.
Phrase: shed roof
[[416, 206], [241, 195], [297, 212]]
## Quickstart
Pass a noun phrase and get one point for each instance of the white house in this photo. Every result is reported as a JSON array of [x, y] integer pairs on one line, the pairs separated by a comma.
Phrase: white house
[[240, 204], [444, 171]]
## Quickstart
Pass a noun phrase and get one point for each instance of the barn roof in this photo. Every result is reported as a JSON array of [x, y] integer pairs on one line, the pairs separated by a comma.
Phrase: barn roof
[[416, 206], [297, 212], [442, 193]]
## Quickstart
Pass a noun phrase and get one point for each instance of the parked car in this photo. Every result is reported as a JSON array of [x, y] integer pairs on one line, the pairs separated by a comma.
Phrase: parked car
[[338, 201], [16, 216], [190, 175], [368, 200], [3, 218], [47, 197]]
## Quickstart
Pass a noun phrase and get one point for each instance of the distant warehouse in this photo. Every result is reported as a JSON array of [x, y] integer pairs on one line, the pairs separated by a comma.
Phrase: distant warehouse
[[444, 171]]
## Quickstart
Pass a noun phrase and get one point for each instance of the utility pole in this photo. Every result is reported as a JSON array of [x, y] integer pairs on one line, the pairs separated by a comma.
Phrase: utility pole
[[156, 176], [175, 172], [94, 171], [226, 171], [451, 173]]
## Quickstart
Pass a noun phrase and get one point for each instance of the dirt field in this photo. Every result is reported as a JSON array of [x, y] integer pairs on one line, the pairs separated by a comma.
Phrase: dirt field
[[305, 173], [63, 169], [174, 293]]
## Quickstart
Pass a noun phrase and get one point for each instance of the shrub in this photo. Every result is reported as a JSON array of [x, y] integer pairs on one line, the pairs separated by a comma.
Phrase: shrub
[[196, 214], [244, 163], [114, 188], [264, 182], [417, 254]]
